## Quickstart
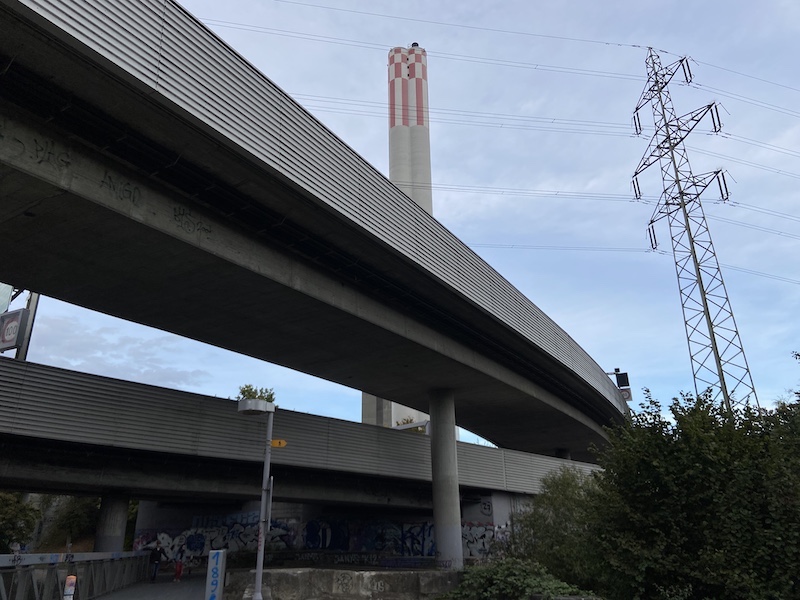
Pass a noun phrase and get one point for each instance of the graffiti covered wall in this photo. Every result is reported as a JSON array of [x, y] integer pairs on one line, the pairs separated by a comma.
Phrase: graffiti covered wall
[[378, 537]]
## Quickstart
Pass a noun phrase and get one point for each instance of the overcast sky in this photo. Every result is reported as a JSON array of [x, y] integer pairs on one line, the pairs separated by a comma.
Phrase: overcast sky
[[532, 151]]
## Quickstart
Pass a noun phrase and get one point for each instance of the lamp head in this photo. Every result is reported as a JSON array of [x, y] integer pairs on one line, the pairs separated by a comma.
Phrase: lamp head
[[252, 406]]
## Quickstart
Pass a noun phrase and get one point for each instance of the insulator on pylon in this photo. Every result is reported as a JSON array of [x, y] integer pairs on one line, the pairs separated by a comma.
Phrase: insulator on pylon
[[637, 191], [716, 122], [651, 233], [723, 186], [637, 123], [687, 72]]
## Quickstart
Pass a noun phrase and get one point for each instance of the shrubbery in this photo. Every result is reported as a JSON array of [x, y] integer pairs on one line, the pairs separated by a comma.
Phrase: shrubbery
[[701, 505], [509, 579], [691, 506]]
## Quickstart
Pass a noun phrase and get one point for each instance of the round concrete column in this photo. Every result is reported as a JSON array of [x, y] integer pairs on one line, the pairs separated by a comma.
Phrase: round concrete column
[[444, 470], [110, 536]]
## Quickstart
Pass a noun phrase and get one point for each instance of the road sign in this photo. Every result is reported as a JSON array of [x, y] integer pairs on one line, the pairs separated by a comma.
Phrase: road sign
[[278, 443]]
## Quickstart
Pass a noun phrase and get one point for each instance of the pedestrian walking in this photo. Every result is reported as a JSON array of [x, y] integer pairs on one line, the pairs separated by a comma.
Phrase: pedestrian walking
[[156, 552]]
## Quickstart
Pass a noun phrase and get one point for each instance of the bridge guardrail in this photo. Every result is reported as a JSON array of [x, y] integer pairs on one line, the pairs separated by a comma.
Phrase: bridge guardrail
[[42, 576]]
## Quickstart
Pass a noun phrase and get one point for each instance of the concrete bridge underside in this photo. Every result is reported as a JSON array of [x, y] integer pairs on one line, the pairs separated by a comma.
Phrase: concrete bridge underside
[[62, 431], [112, 200], [74, 468]]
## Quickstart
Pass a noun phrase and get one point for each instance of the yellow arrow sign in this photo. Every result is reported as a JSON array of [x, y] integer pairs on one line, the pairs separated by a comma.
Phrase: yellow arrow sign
[[278, 443]]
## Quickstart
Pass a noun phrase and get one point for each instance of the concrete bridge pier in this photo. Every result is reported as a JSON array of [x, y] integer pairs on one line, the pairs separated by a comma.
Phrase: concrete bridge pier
[[110, 534], [444, 473]]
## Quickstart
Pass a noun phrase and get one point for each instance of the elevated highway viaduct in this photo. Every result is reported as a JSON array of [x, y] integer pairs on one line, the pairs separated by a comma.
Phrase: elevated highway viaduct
[[72, 433], [149, 172]]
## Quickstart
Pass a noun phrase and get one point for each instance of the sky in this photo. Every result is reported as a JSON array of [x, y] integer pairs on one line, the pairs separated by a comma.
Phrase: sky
[[532, 156]]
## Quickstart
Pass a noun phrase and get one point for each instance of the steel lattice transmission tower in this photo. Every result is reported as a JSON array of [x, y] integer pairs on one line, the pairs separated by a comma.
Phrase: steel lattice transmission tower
[[717, 355]]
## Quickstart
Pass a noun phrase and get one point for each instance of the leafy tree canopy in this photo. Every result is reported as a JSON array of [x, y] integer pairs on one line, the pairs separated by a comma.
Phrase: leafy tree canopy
[[554, 530], [690, 504], [251, 392], [17, 520], [696, 505]]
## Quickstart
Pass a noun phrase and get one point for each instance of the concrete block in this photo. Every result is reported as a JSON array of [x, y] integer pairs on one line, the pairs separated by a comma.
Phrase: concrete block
[[433, 583], [290, 584], [344, 584], [389, 585]]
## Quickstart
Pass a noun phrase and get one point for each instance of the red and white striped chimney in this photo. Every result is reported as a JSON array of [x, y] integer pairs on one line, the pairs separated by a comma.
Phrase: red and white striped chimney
[[409, 170], [409, 133]]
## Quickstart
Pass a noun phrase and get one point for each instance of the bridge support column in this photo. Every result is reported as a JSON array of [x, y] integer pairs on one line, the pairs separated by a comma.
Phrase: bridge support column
[[110, 536], [444, 470]]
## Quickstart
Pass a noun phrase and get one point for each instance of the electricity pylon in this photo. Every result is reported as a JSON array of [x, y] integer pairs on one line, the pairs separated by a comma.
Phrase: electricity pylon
[[717, 355]]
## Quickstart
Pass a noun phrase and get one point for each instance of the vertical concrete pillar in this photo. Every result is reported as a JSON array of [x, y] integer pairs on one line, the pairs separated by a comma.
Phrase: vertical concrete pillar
[[444, 470], [110, 536]]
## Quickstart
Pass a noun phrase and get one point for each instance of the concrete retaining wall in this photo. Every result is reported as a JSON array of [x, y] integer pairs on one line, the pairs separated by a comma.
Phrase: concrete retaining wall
[[341, 584]]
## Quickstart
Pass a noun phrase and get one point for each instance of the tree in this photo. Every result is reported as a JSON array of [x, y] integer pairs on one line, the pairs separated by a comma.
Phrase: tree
[[698, 506], [691, 503], [250, 392], [17, 520], [75, 518], [555, 532]]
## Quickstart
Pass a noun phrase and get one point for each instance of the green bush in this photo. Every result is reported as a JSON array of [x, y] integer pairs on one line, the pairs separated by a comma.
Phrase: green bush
[[555, 529], [701, 504], [17, 520], [509, 579]]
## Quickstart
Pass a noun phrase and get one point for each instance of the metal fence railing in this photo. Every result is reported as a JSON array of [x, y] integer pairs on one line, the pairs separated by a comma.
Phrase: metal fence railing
[[42, 576]]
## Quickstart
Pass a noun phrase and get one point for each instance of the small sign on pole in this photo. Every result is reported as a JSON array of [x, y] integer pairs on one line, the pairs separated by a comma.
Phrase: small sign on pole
[[215, 579], [12, 328], [278, 443]]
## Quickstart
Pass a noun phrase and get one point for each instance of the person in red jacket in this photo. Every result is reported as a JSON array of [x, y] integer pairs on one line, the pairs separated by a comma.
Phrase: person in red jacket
[[179, 557]]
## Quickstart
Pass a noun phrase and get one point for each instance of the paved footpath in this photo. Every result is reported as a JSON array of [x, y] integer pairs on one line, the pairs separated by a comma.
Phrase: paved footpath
[[190, 588]]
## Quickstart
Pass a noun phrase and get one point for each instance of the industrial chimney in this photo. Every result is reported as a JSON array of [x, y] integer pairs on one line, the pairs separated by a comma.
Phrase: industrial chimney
[[409, 170], [409, 132]]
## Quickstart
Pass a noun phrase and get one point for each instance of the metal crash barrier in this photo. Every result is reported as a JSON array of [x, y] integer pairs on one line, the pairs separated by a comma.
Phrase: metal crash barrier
[[44, 576]]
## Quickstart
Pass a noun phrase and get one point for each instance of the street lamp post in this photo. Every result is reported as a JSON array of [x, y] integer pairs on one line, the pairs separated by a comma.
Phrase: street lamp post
[[259, 407]]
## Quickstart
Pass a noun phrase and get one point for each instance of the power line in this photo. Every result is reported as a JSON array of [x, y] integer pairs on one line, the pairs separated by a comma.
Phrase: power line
[[531, 34], [610, 197], [576, 248], [767, 211], [557, 127], [491, 61], [755, 227], [536, 66], [788, 87], [462, 26], [629, 250], [608, 130], [443, 55], [765, 145], [746, 100], [294, 34], [466, 113], [748, 163]]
